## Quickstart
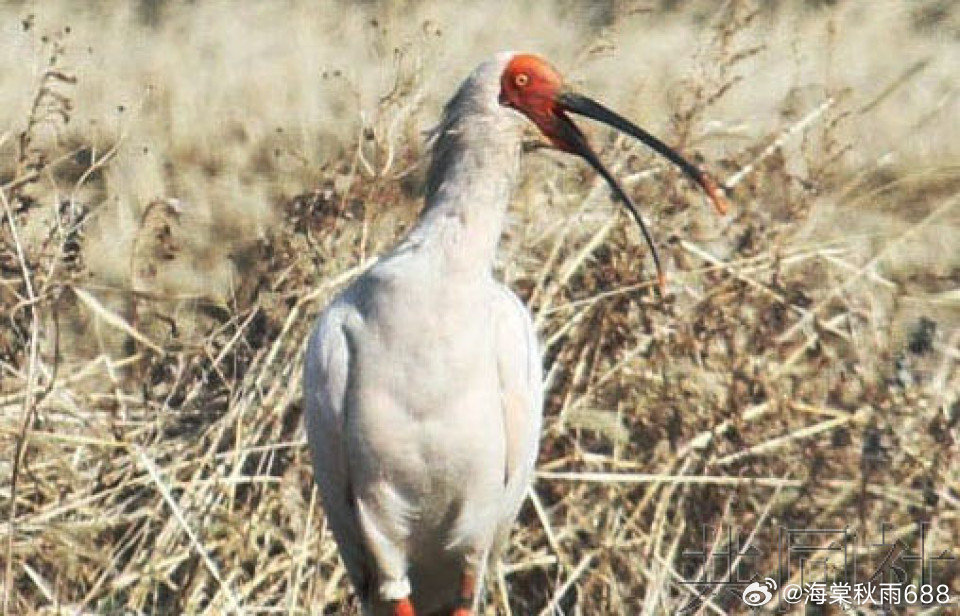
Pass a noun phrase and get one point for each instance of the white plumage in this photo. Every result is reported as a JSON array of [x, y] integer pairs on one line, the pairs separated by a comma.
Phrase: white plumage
[[423, 378], [423, 387]]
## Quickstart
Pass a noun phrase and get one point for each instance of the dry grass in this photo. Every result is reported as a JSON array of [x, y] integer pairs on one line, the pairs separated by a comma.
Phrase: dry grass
[[183, 187]]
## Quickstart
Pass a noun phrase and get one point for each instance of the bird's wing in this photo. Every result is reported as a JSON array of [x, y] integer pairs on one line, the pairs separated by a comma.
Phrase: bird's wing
[[326, 377], [521, 393]]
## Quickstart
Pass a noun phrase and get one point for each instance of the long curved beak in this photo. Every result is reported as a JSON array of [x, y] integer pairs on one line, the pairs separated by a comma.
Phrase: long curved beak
[[587, 107], [568, 137]]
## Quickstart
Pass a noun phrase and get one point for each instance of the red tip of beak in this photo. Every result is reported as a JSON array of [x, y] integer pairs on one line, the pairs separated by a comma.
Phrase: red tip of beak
[[662, 283], [715, 193]]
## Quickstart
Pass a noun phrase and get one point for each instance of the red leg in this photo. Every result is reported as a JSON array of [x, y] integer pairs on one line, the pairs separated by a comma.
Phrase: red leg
[[403, 607], [468, 587]]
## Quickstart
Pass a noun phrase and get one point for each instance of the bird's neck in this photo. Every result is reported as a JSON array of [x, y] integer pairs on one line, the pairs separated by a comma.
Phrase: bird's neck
[[472, 175]]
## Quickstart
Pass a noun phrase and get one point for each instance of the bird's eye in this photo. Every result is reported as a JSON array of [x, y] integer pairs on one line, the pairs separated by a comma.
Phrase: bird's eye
[[521, 80]]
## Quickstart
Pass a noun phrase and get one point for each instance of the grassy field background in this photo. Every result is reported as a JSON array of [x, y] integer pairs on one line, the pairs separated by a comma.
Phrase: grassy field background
[[184, 185]]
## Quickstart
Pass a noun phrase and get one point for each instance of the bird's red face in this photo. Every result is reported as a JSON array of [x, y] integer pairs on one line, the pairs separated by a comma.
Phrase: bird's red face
[[531, 86], [534, 88]]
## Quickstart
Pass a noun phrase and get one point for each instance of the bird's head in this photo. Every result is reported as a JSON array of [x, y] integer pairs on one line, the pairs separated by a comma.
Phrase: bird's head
[[530, 85]]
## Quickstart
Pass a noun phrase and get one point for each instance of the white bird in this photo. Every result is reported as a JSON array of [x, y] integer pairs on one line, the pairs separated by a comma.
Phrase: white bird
[[422, 379]]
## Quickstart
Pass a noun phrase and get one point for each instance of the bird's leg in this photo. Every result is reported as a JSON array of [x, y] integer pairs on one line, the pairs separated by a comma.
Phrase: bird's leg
[[403, 607], [383, 537], [468, 589]]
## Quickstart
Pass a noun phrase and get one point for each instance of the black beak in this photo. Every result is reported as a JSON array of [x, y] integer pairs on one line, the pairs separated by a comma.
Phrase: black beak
[[573, 138], [582, 105]]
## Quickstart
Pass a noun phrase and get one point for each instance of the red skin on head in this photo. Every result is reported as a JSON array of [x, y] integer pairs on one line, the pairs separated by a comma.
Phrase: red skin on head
[[530, 85]]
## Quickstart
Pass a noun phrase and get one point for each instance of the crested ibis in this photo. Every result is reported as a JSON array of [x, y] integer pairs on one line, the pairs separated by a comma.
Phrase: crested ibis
[[422, 379]]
